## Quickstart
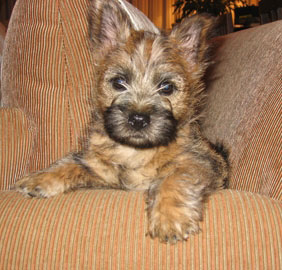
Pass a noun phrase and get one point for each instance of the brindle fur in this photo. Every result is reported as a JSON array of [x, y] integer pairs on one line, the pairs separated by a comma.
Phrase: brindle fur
[[166, 155]]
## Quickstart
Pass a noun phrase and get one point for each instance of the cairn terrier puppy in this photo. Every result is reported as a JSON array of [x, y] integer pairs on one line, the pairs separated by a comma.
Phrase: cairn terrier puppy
[[144, 134]]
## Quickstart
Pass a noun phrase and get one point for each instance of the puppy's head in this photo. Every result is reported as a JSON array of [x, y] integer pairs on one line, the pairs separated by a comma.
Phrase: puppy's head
[[148, 84]]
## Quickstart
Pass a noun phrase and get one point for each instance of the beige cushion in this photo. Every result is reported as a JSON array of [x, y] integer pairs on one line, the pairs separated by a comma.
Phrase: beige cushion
[[244, 107]]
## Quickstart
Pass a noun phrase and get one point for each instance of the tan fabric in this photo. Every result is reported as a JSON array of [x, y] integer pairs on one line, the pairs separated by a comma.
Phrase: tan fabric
[[106, 230], [47, 73], [244, 107], [16, 145]]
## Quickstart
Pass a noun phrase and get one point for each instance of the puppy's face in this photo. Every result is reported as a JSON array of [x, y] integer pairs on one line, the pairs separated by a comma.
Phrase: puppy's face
[[148, 84], [142, 91]]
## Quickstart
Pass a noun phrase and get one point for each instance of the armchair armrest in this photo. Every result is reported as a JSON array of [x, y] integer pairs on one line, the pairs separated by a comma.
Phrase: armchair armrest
[[106, 229]]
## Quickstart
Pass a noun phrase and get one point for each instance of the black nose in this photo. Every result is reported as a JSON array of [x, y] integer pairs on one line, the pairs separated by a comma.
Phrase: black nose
[[138, 121]]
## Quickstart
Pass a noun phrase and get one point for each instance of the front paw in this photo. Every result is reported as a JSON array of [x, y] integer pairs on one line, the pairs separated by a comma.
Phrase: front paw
[[42, 185], [172, 223]]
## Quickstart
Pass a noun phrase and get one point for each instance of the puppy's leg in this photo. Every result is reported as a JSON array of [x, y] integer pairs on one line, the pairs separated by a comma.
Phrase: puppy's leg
[[67, 174], [175, 207], [175, 203]]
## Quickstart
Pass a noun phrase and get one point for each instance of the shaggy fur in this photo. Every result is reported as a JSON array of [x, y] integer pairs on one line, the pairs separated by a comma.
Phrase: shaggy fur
[[144, 133]]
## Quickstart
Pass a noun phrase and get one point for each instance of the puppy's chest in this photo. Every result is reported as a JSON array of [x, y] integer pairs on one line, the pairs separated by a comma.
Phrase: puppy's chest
[[137, 168]]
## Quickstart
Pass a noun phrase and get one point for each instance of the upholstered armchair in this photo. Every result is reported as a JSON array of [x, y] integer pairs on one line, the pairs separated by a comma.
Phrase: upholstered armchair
[[47, 75]]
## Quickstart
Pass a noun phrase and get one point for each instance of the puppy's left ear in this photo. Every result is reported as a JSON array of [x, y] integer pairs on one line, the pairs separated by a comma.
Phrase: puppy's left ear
[[192, 36]]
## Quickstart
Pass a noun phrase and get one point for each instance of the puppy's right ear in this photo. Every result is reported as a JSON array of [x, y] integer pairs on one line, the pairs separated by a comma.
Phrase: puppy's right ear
[[108, 24], [112, 22]]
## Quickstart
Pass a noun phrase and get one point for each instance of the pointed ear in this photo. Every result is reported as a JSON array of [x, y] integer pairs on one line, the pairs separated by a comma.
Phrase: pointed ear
[[192, 36], [112, 21], [108, 24]]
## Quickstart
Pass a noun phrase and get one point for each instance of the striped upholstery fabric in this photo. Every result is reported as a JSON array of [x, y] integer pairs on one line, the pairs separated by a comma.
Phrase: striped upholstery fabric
[[244, 107], [106, 230], [16, 145], [261, 157], [47, 73]]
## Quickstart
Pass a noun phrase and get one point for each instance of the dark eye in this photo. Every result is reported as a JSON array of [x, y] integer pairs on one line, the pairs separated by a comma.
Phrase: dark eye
[[118, 83], [166, 88]]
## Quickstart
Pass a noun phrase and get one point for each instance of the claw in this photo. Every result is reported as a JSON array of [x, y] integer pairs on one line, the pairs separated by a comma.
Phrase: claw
[[186, 236]]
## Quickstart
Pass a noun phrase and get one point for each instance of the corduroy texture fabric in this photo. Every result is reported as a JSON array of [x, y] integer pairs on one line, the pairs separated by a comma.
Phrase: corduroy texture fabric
[[16, 145], [47, 73], [106, 230], [244, 107]]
